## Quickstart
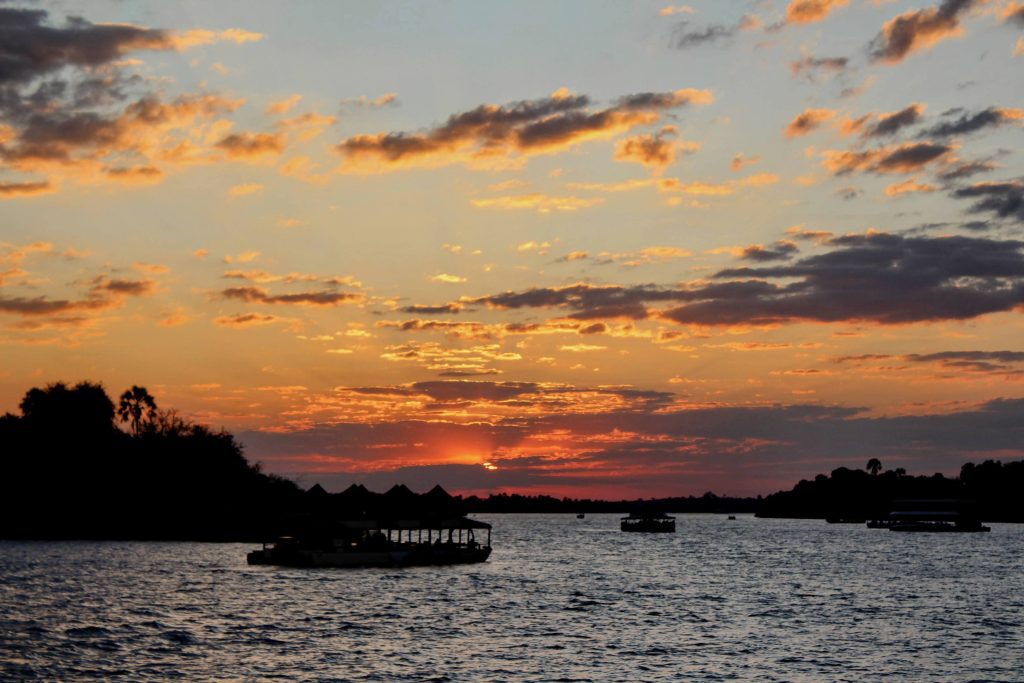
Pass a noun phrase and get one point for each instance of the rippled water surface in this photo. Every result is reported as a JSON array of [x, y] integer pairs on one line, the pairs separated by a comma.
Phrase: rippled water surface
[[560, 599]]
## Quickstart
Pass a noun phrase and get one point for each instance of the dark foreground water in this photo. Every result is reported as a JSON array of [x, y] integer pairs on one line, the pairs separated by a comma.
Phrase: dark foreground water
[[560, 599]]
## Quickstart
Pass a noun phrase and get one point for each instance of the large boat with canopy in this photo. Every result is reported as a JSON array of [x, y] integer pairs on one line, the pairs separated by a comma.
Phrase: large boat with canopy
[[358, 528]]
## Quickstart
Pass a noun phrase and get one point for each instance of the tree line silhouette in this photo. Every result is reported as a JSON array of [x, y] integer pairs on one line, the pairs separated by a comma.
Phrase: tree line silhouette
[[993, 490], [70, 472], [67, 470]]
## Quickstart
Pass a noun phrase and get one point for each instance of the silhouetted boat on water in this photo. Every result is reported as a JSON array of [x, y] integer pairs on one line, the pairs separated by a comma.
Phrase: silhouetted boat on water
[[358, 528], [404, 543], [648, 522], [940, 515]]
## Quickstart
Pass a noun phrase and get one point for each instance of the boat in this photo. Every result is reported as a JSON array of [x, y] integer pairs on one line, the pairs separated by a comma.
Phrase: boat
[[648, 522], [359, 528], [398, 543], [936, 515], [732, 518], [580, 516]]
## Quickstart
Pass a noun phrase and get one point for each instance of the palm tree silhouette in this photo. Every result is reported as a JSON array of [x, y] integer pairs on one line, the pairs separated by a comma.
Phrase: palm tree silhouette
[[136, 407], [874, 465]]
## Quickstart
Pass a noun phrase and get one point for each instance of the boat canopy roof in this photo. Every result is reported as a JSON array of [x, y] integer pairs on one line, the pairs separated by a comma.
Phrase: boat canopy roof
[[648, 515], [451, 523], [926, 515]]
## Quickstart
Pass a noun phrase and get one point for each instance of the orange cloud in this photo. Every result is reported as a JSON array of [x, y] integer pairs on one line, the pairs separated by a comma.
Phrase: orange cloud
[[905, 158], [135, 175], [739, 162], [807, 121], [450, 279], [145, 128], [187, 39], [363, 101], [656, 151], [716, 189], [283, 106], [669, 10], [27, 189], [244, 189], [916, 30], [496, 135], [251, 145], [539, 202], [308, 125], [247, 320], [582, 348], [808, 11], [908, 186]]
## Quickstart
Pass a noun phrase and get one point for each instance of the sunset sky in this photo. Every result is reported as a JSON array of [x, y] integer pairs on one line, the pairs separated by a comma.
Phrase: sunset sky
[[600, 249]]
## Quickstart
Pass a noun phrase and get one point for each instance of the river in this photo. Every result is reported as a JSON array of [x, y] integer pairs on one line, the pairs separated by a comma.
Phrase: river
[[561, 599]]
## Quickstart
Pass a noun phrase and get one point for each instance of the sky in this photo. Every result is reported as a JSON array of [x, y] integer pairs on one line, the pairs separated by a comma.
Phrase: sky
[[588, 249]]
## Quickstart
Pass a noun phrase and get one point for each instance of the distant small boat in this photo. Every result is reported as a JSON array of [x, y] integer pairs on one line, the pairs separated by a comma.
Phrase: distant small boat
[[580, 516], [648, 522], [732, 518]]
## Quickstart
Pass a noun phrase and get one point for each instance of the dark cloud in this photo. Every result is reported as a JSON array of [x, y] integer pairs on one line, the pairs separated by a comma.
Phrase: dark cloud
[[810, 66], [966, 170], [910, 157], [685, 37], [243, 145], [780, 251], [30, 47], [68, 97], [45, 306], [66, 136], [246, 320], [423, 309], [103, 293], [315, 298], [1005, 200], [807, 121], [25, 189], [997, 362], [991, 117], [905, 158], [588, 301], [1000, 363], [525, 127], [890, 124], [125, 287], [134, 173], [918, 29], [875, 277]]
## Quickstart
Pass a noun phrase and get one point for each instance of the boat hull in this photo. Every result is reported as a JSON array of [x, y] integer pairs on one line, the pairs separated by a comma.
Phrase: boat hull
[[936, 527], [372, 558], [649, 527]]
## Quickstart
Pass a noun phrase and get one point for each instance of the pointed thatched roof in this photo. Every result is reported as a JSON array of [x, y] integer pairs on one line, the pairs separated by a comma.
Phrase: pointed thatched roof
[[437, 493]]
